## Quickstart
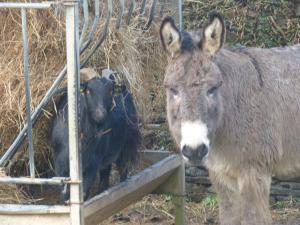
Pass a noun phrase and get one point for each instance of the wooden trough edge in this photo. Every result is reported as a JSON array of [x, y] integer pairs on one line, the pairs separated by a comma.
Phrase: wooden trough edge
[[11, 214], [159, 176], [13, 209], [118, 197]]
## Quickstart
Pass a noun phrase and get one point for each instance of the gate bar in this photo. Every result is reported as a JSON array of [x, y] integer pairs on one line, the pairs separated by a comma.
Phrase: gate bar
[[85, 23], [152, 14], [27, 180], [102, 36], [130, 11], [73, 64], [180, 14], [27, 92], [94, 26], [142, 11], [54, 87], [121, 13], [18, 140], [42, 5]]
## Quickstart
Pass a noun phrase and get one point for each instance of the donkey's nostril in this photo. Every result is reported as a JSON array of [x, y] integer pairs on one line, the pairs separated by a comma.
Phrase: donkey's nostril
[[195, 154], [202, 151], [187, 151]]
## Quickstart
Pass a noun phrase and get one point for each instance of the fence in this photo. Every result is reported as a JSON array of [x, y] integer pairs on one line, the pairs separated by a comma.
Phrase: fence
[[166, 175]]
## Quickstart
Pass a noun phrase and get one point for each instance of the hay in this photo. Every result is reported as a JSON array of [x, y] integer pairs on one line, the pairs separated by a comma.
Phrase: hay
[[46, 58], [11, 194], [136, 55], [131, 51]]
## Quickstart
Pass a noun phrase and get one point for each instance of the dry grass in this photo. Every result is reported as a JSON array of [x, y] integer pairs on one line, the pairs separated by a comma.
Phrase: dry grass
[[159, 210], [132, 51], [256, 23], [10, 193], [46, 58]]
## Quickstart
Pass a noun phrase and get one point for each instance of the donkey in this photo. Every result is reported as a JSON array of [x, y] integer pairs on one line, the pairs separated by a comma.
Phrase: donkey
[[237, 110]]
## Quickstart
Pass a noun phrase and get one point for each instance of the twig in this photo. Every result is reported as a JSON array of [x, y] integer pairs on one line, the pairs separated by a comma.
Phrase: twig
[[275, 26], [164, 212]]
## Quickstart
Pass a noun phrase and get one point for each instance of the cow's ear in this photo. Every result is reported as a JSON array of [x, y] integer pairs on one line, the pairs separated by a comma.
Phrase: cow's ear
[[170, 36], [213, 34]]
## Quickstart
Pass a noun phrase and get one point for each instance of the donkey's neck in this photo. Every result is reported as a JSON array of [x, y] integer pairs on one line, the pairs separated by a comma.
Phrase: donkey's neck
[[237, 83]]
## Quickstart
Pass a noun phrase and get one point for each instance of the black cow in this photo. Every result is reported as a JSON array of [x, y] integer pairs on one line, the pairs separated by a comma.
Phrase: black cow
[[96, 101], [122, 138]]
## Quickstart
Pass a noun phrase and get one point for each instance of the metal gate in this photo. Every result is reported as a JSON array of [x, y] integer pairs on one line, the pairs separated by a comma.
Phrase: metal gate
[[164, 176]]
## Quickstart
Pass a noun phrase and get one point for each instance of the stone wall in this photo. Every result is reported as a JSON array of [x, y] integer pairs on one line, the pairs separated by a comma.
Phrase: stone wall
[[198, 185]]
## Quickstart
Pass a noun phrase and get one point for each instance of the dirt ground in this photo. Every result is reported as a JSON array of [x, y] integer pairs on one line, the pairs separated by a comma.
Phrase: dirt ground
[[158, 210]]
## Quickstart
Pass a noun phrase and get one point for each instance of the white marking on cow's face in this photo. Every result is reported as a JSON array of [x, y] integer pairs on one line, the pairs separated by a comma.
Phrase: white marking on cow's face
[[194, 134]]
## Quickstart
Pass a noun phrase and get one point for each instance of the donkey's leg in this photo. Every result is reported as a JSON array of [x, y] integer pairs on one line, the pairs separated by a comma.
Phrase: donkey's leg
[[254, 189], [229, 211]]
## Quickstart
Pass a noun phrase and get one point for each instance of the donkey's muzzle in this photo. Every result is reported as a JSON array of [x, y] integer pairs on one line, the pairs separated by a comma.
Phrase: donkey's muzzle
[[195, 154]]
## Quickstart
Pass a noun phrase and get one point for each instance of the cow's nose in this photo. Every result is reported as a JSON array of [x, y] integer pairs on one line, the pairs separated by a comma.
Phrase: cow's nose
[[195, 154], [100, 115]]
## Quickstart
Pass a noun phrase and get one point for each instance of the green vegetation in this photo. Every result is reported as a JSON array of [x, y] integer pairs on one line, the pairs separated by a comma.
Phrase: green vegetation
[[210, 201], [260, 23]]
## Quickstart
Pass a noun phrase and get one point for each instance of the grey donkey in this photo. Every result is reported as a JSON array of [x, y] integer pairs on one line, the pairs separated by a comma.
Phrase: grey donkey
[[237, 110]]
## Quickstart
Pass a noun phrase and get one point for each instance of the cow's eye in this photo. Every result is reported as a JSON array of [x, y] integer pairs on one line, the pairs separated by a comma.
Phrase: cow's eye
[[87, 91], [213, 90]]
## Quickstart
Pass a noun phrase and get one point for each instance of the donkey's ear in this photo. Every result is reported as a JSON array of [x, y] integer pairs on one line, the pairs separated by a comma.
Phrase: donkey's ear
[[170, 36], [213, 34]]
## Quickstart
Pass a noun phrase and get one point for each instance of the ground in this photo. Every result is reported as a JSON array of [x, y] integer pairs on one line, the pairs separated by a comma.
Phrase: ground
[[158, 209], [154, 209]]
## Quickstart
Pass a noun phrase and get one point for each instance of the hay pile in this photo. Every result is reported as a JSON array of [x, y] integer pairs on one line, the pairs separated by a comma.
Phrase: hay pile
[[131, 51], [46, 58], [10, 193]]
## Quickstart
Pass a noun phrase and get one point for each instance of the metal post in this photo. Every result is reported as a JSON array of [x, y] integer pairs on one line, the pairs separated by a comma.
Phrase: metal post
[[27, 91], [121, 13], [130, 11], [179, 200], [180, 13], [176, 11], [175, 186], [151, 16], [142, 11], [86, 21], [72, 37], [26, 5]]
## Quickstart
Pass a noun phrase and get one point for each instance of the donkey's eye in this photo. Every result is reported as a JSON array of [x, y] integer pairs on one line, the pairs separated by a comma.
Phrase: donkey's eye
[[173, 91], [212, 91]]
